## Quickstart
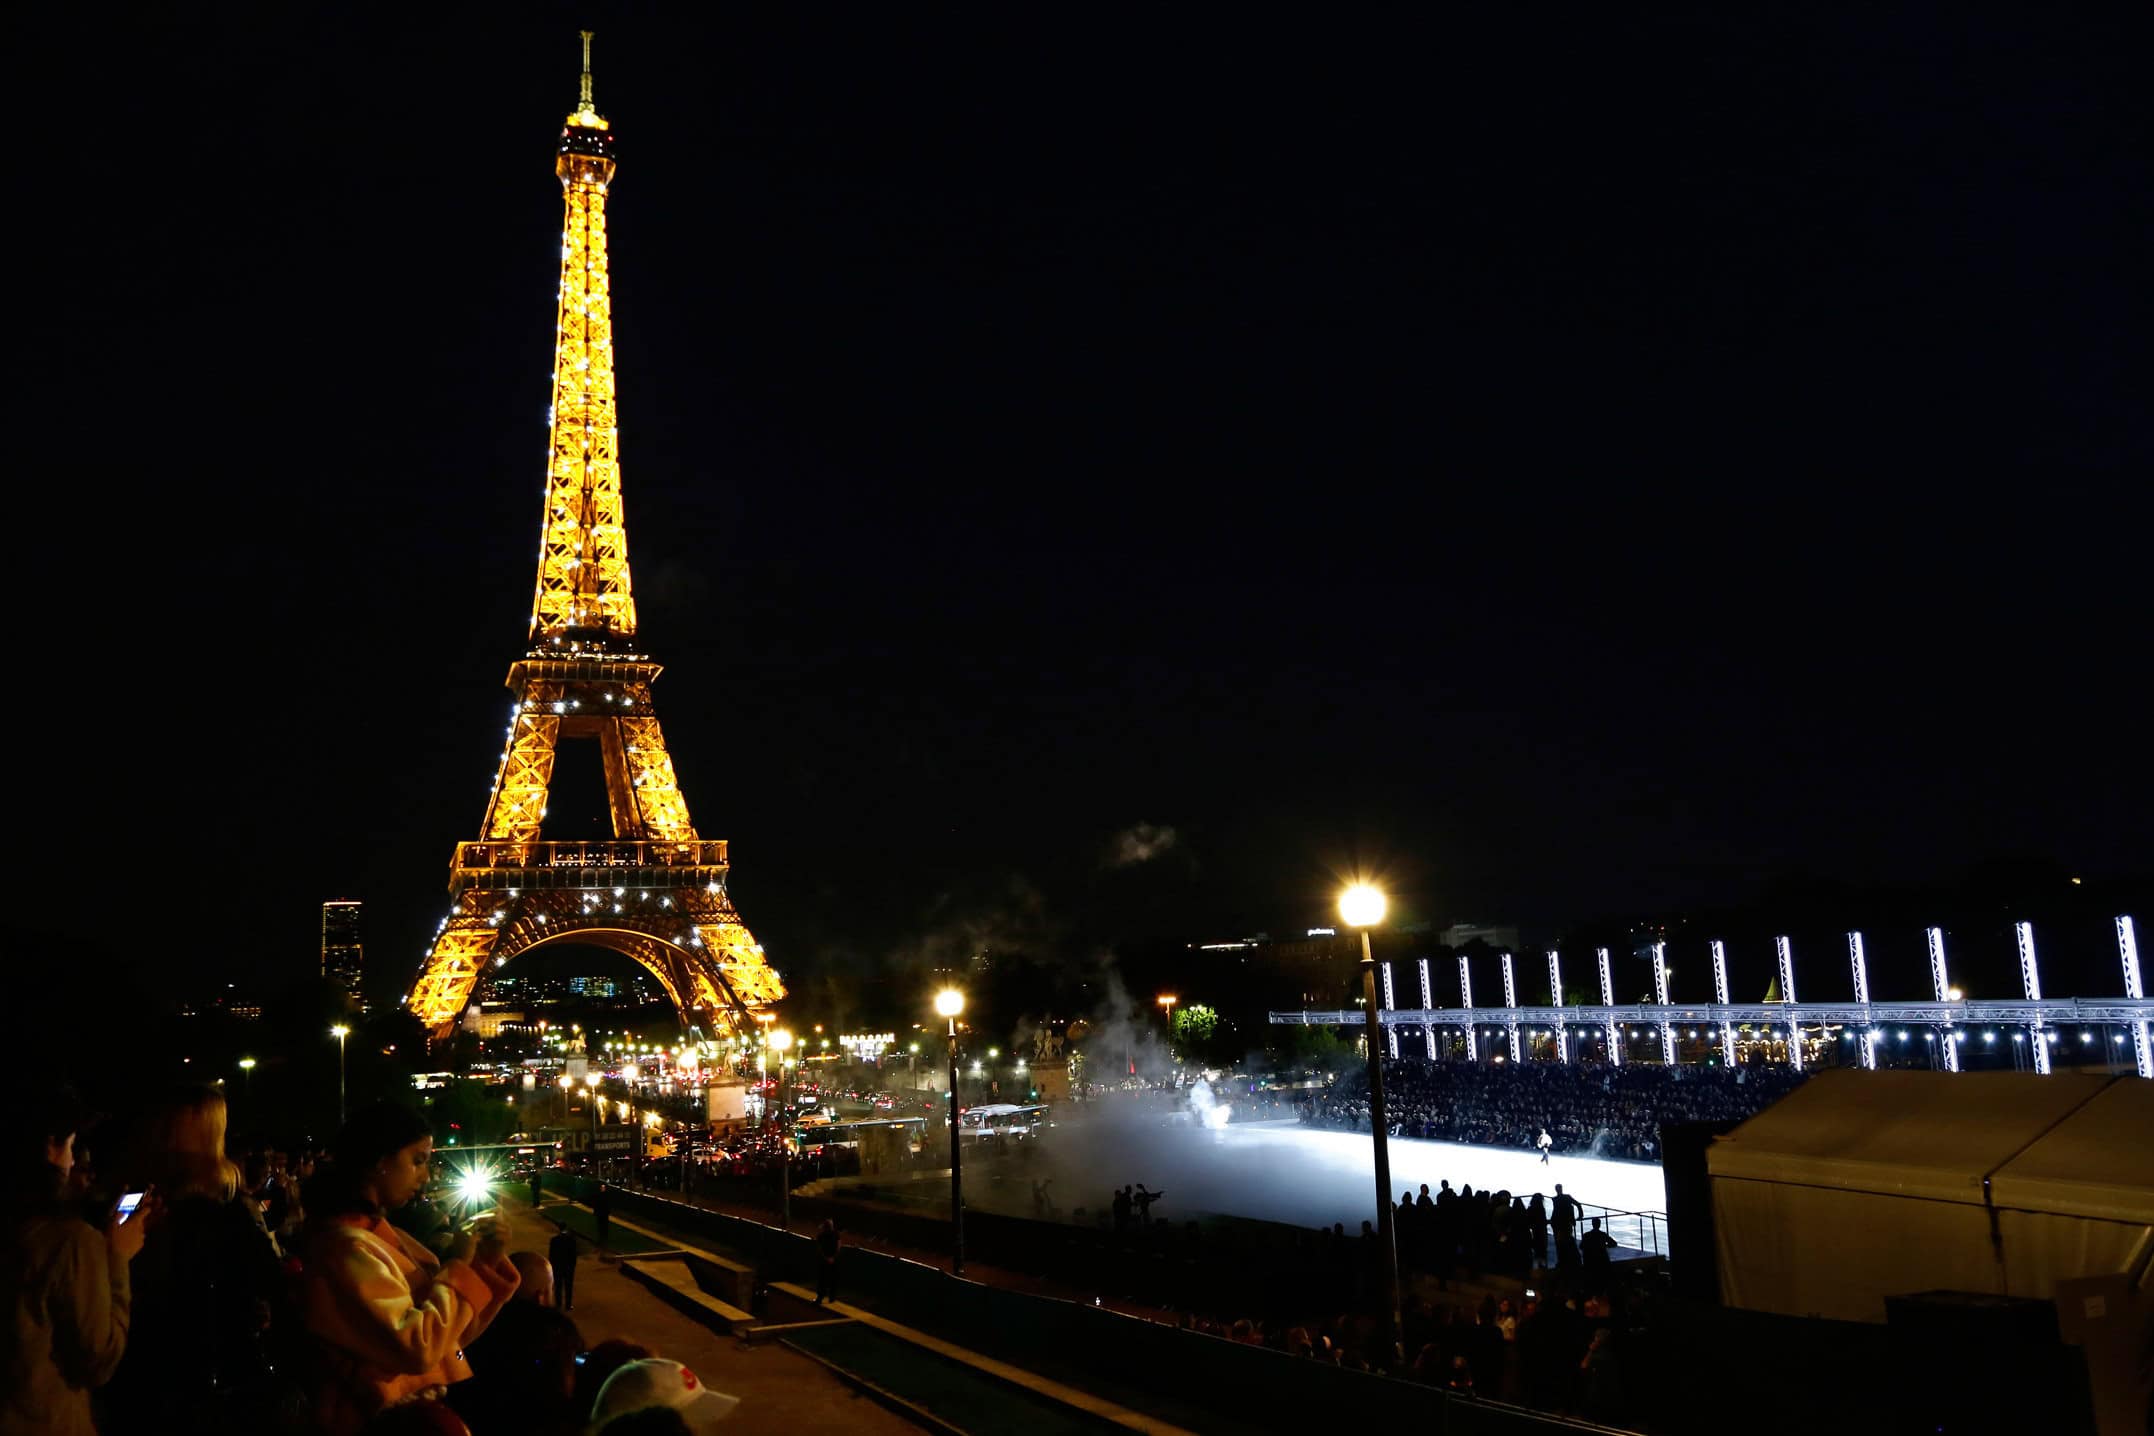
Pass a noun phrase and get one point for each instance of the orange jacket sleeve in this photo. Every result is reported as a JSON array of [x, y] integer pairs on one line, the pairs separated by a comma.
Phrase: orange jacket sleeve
[[385, 1320]]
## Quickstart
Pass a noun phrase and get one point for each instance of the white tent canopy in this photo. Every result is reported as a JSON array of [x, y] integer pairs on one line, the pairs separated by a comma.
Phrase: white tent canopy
[[1863, 1185]]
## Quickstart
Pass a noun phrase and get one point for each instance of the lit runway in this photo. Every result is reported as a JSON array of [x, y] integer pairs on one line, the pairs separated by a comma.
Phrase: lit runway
[[1285, 1172]]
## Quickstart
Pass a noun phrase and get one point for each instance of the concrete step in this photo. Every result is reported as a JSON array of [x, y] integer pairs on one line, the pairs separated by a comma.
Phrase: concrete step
[[670, 1278]]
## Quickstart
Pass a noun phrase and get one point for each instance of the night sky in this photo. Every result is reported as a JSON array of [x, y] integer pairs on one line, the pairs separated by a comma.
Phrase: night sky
[[1579, 467]]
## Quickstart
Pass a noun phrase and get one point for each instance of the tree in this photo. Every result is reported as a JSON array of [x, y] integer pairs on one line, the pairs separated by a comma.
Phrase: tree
[[1194, 1027], [1316, 1048]]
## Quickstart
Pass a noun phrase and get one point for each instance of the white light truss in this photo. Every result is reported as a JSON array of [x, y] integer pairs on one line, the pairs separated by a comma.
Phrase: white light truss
[[2128, 952], [1555, 1000], [1943, 988], [1861, 965], [1465, 1000], [1785, 952], [2030, 977], [1720, 995], [1660, 996], [1391, 1034], [1510, 1001], [1615, 1025], [1428, 1001]]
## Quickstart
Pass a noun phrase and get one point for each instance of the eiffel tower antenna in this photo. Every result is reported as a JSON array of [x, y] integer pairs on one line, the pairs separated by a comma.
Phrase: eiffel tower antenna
[[657, 892]]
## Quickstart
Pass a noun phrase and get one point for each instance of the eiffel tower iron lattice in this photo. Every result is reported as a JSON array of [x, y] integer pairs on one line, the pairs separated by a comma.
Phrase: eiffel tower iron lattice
[[657, 892]]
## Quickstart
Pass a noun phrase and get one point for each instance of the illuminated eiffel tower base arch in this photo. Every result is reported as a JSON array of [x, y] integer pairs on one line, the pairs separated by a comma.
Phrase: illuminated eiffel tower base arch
[[656, 893]]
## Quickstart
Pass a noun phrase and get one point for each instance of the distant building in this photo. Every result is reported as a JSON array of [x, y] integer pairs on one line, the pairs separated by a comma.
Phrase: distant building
[[1503, 939], [343, 956], [489, 1021], [593, 986], [229, 1003]]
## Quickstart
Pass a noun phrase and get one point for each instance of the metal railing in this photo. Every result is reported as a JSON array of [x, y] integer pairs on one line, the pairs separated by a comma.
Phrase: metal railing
[[1640, 1231], [514, 866], [691, 853]]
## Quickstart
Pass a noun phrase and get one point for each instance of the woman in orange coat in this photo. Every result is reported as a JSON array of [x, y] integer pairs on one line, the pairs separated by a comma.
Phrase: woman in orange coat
[[390, 1319]]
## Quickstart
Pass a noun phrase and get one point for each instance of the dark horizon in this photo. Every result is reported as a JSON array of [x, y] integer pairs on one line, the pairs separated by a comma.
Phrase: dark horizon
[[1092, 490]]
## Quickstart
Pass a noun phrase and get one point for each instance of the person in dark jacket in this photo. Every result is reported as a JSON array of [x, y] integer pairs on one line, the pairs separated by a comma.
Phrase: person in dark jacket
[[602, 1213], [561, 1256], [208, 1287], [826, 1264]]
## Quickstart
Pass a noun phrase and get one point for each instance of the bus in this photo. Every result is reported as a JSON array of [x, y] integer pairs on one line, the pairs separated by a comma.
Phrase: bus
[[1005, 1121]]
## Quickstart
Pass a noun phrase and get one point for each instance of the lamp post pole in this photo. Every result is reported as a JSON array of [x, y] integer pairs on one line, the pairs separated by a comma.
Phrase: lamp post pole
[[949, 1004], [1363, 906], [957, 1174], [783, 1041], [340, 1032]]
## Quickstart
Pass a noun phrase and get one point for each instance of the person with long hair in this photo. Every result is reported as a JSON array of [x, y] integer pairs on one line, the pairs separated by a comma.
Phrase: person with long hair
[[64, 1282], [389, 1318], [206, 1287]]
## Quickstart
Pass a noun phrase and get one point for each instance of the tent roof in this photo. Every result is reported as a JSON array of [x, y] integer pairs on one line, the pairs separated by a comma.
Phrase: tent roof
[[2098, 1162], [1936, 1135]]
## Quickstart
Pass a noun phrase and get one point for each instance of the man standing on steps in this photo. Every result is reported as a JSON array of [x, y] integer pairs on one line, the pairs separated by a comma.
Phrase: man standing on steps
[[601, 1214], [561, 1256]]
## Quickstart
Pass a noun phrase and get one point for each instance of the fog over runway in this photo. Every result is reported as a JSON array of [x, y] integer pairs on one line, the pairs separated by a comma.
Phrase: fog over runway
[[1282, 1171]]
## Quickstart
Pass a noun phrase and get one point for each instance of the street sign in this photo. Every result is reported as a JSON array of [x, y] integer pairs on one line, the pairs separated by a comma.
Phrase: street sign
[[617, 1140]]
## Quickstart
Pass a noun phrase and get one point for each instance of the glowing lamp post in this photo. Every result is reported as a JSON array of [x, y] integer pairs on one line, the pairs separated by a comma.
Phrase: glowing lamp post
[[339, 1032], [1362, 906], [246, 1067], [948, 1004], [782, 1042]]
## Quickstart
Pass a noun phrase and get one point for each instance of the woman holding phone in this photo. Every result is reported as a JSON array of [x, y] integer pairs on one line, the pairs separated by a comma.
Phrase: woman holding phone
[[389, 1318], [63, 1282]]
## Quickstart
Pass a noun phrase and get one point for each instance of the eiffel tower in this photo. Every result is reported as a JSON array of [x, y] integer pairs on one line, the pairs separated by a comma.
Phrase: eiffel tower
[[657, 892]]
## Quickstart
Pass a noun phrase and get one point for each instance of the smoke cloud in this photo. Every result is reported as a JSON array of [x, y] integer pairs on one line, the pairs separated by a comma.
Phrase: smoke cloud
[[1140, 843]]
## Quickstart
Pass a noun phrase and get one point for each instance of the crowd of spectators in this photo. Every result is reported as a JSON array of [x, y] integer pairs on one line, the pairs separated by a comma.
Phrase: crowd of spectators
[[1556, 1349], [279, 1294], [1505, 1296], [1588, 1110]]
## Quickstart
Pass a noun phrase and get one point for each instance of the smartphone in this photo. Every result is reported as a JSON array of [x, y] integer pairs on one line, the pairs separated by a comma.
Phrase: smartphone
[[128, 1202]]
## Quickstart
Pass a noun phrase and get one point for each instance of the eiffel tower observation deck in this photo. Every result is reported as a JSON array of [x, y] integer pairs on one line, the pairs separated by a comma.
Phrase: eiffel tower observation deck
[[657, 892]]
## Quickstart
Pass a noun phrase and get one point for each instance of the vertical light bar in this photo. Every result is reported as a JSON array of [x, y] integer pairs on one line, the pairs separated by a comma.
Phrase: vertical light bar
[[1391, 1031], [1720, 996], [1428, 1005], [1510, 1000], [1860, 962], [1555, 1000], [1465, 1000], [2030, 978], [1786, 954], [2128, 952], [1660, 997], [1943, 988], [1615, 1028]]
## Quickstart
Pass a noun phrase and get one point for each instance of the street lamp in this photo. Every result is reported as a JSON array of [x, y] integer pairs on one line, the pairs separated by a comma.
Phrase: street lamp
[[948, 1003], [340, 1032], [782, 1041], [1362, 906], [246, 1065]]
